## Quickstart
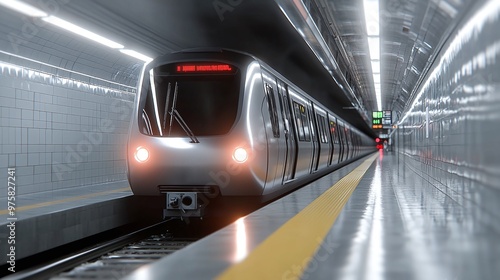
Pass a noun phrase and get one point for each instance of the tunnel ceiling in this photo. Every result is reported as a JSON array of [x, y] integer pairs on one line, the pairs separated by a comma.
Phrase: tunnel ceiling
[[411, 34]]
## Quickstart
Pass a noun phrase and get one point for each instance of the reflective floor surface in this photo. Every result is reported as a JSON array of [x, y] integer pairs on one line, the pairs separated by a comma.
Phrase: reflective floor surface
[[395, 225]]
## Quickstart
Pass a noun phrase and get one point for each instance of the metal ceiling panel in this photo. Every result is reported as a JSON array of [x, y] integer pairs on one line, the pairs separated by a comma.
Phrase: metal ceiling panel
[[412, 33]]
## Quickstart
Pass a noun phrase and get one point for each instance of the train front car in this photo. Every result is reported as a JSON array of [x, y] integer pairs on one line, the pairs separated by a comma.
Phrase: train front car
[[195, 132]]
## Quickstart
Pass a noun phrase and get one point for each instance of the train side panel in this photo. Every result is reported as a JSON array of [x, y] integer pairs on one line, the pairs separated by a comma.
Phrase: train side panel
[[303, 138]]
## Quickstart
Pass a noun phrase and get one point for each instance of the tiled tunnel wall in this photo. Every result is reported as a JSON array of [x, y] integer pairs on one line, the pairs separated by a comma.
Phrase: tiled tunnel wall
[[453, 128], [58, 132]]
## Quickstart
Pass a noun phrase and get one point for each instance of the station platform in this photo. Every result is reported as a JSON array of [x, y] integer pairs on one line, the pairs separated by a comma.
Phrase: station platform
[[49, 219], [376, 218]]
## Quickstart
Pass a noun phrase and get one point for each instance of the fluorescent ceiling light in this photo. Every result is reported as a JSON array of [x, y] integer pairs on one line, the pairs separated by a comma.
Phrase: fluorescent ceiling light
[[375, 66], [371, 11], [23, 8], [82, 32], [374, 46], [379, 98], [137, 55], [371, 17], [32, 11]]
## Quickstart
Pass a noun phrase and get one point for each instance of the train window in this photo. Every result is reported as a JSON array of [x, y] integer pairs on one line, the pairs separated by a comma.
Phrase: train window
[[300, 126], [324, 129], [302, 122], [146, 127], [333, 130], [273, 113], [305, 123], [323, 134], [194, 104], [340, 130]]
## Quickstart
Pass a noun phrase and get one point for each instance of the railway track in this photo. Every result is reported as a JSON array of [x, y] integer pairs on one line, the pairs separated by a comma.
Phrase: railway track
[[121, 262], [113, 259]]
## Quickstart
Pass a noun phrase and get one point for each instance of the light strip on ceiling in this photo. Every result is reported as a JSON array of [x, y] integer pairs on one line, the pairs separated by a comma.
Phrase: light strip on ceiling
[[371, 11], [374, 46], [31, 11], [82, 32], [371, 17], [23, 8], [137, 55]]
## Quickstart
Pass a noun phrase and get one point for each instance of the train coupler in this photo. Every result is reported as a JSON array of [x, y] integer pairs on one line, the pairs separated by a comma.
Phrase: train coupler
[[182, 205]]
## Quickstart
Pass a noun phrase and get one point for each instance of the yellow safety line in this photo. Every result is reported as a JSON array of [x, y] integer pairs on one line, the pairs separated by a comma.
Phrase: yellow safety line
[[69, 199], [286, 253]]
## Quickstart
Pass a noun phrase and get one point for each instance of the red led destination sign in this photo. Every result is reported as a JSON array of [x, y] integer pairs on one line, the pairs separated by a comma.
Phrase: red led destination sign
[[195, 68]]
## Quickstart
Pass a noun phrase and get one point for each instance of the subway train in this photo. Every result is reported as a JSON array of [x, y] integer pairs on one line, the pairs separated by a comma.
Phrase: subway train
[[223, 124]]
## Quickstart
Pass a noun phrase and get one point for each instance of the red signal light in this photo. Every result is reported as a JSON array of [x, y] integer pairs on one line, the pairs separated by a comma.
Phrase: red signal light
[[377, 140]]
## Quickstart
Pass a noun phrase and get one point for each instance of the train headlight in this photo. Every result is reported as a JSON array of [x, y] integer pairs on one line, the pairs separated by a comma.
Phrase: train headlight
[[240, 155], [141, 154]]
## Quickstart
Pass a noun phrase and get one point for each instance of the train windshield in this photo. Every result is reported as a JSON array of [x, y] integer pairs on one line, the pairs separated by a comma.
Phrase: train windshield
[[190, 104]]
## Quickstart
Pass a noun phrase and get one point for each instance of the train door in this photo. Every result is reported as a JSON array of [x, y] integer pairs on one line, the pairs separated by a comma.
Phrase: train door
[[314, 138], [341, 134], [354, 143], [276, 150], [334, 140], [322, 138], [300, 112], [347, 134], [331, 147], [349, 137], [289, 131]]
